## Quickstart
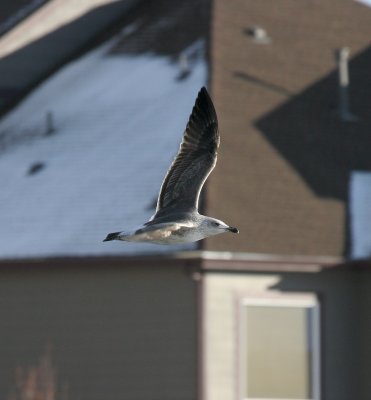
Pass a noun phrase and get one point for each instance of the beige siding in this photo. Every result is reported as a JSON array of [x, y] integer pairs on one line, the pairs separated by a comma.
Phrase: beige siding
[[221, 294], [115, 333]]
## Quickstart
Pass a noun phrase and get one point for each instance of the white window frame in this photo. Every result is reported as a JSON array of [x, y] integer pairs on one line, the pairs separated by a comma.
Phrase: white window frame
[[306, 300]]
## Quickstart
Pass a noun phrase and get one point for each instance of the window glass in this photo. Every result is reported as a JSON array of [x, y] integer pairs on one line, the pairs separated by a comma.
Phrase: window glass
[[279, 351]]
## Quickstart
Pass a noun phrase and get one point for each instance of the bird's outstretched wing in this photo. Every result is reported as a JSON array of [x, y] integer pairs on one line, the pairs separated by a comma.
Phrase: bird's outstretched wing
[[195, 160]]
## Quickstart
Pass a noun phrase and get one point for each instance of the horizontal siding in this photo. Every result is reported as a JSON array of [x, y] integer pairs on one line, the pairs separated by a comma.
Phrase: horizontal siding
[[364, 334], [221, 293], [115, 333]]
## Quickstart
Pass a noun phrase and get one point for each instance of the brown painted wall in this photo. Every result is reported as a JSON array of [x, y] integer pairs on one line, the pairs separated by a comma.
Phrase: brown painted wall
[[114, 332], [363, 335]]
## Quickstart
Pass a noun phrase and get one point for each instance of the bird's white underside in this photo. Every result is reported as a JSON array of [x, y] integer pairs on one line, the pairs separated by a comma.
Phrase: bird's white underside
[[166, 233]]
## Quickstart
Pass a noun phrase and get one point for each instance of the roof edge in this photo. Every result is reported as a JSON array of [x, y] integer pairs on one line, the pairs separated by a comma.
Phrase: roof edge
[[204, 261], [267, 262]]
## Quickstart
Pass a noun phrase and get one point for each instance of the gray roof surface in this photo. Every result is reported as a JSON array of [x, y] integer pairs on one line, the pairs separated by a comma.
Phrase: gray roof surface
[[118, 123]]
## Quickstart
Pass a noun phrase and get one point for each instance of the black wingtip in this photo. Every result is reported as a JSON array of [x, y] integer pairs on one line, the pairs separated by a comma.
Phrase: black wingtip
[[204, 102], [203, 91], [111, 236]]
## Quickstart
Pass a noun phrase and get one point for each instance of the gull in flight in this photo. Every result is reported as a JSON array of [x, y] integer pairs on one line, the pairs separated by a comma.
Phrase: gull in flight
[[177, 219]]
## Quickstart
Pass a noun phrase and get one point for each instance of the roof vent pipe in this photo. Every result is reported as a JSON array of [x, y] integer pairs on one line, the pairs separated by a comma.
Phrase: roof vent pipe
[[184, 68], [258, 34], [49, 121], [342, 57]]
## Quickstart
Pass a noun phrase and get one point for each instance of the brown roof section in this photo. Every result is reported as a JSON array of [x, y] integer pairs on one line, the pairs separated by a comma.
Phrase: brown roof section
[[285, 156], [164, 27]]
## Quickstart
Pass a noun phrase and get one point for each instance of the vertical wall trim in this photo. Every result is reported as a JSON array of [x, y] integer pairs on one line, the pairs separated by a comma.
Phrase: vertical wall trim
[[201, 373]]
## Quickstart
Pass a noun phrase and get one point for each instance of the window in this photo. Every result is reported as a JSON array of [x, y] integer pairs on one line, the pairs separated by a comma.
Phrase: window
[[279, 343]]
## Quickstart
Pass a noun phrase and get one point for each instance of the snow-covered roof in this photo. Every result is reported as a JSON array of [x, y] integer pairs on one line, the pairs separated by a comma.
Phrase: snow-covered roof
[[53, 15], [118, 124], [360, 214]]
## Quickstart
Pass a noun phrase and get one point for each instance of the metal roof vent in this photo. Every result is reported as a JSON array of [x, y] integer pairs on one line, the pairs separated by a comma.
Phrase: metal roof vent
[[35, 168], [49, 123], [184, 67], [187, 59], [259, 35], [342, 56]]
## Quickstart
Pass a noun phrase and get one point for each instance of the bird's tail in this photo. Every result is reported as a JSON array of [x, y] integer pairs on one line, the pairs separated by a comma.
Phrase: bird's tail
[[112, 236]]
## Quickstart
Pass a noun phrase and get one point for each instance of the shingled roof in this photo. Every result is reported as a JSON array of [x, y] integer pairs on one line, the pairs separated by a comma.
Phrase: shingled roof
[[116, 118], [44, 35], [286, 156]]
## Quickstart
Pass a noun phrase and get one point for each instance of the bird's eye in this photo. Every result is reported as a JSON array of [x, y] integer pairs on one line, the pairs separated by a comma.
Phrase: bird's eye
[[216, 223]]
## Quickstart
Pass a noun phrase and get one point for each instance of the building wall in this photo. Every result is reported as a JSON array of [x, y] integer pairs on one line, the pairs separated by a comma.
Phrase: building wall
[[345, 328], [220, 330], [364, 334], [281, 178], [109, 332]]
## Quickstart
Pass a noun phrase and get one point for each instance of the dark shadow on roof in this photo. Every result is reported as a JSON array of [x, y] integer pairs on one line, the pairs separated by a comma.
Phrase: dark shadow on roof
[[161, 27], [262, 83], [309, 133], [23, 69], [165, 27], [14, 11]]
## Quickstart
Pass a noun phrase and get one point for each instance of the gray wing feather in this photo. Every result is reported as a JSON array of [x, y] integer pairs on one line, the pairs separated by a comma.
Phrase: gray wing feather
[[195, 160]]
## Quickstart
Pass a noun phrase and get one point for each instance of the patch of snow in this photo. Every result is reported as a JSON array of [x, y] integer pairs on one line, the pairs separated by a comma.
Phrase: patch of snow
[[365, 2], [360, 214], [118, 124], [53, 15]]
